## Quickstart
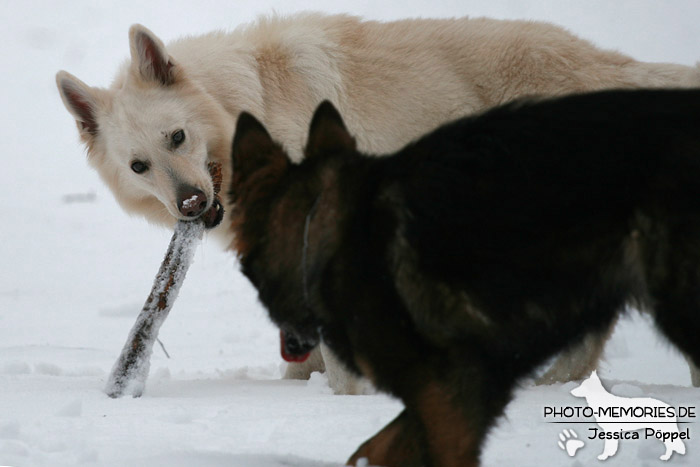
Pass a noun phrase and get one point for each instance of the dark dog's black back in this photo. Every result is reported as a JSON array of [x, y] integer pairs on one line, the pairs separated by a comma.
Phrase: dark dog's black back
[[545, 203], [449, 270]]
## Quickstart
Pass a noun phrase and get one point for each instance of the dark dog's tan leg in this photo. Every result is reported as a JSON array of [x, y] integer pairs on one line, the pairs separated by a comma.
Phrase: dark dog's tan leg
[[435, 432], [444, 424], [454, 440], [399, 443]]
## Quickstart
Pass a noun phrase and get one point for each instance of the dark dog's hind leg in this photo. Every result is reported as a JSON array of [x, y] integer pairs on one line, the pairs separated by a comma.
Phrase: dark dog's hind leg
[[679, 319], [676, 297], [694, 372]]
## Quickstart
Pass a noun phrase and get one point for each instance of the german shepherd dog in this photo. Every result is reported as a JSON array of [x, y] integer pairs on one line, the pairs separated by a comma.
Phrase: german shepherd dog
[[172, 109], [451, 269]]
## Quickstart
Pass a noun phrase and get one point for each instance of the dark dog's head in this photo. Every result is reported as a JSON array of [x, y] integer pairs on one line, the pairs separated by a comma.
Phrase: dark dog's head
[[286, 220]]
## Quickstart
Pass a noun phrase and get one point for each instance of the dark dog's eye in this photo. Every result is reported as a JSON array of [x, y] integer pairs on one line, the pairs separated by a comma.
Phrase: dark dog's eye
[[139, 167], [178, 137]]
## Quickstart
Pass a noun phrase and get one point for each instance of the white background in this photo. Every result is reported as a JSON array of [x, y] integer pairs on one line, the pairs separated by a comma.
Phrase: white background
[[74, 275]]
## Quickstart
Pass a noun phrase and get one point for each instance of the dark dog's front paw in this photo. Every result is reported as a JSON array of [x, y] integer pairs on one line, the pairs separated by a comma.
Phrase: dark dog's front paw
[[400, 443]]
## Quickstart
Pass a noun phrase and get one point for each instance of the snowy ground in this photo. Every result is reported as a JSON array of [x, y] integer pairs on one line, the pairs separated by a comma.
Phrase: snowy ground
[[74, 272]]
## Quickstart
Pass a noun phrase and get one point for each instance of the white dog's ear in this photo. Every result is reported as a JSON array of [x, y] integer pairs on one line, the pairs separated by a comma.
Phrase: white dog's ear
[[82, 101], [327, 132], [149, 59]]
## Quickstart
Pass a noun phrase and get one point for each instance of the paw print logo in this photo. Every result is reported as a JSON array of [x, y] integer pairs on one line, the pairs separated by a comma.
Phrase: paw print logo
[[569, 442]]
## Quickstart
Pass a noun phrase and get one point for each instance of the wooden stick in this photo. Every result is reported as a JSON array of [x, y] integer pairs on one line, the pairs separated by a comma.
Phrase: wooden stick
[[130, 371]]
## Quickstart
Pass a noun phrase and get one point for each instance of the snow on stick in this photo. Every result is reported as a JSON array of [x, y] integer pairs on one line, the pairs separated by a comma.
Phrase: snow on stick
[[130, 371]]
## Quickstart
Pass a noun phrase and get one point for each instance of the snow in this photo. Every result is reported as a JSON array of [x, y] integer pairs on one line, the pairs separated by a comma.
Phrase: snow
[[189, 201], [75, 271]]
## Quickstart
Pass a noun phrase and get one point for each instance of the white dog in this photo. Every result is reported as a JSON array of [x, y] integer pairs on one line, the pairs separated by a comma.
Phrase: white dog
[[609, 408], [171, 110]]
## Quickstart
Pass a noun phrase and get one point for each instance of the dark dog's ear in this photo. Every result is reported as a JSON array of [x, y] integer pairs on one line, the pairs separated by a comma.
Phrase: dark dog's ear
[[253, 148], [327, 132]]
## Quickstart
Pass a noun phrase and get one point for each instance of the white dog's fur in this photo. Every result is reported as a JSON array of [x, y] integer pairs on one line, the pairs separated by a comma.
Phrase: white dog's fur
[[391, 81]]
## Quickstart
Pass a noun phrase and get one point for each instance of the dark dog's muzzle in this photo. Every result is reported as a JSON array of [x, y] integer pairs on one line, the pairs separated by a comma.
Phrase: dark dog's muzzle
[[296, 348]]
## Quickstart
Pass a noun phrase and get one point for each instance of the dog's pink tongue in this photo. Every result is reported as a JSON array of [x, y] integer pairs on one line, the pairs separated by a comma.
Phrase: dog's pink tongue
[[288, 357]]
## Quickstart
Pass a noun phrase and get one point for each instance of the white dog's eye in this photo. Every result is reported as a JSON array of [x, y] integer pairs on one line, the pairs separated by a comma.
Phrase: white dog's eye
[[139, 167], [178, 137]]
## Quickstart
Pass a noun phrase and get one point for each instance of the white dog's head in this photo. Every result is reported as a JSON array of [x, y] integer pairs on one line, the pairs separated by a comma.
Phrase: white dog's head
[[152, 133]]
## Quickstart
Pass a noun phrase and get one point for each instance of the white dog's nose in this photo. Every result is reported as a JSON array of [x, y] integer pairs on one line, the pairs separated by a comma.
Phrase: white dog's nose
[[191, 201]]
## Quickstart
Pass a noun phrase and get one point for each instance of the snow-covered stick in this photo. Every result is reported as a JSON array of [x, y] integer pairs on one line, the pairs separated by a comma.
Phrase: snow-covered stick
[[130, 371]]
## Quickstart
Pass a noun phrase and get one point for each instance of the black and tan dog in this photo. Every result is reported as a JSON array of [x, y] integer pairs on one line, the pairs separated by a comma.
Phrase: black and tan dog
[[451, 269]]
